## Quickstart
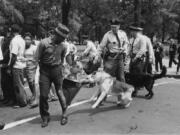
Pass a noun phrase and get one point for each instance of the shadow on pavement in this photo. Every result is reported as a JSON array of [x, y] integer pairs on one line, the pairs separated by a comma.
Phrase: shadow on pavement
[[173, 76], [96, 111]]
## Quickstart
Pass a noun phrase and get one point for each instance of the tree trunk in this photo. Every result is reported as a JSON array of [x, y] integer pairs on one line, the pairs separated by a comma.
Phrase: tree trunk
[[178, 33], [66, 4], [163, 31], [137, 11]]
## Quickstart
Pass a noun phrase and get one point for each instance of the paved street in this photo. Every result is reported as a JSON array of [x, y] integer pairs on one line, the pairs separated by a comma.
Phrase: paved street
[[157, 116]]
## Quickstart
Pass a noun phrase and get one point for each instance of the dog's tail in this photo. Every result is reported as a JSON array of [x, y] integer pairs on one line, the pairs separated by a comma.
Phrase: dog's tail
[[162, 74]]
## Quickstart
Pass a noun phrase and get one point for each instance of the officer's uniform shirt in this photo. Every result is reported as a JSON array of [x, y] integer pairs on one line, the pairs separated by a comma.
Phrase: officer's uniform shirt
[[110, 41], [138, 46], [149, 49]]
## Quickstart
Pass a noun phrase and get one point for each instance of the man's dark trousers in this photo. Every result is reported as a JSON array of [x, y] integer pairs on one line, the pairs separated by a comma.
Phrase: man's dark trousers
[[48, 75], [172, 60], [7, 85], [158, 60], [18, 83]]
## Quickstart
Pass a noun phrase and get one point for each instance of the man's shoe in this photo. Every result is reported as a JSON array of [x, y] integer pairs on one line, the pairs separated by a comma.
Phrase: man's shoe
[[2, 124], [34, 104], [45, 122], [64, 120]]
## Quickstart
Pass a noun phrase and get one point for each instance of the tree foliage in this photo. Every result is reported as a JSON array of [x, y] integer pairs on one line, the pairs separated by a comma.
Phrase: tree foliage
[[91, 17]]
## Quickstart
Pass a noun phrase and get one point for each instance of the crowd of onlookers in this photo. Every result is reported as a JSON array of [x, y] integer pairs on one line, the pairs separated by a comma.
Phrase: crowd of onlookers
[[173, 51], [19, 69]]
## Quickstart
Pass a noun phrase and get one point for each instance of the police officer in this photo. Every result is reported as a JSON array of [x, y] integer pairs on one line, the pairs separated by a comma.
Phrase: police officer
[[138, 50], [115, 42], [50, 55]]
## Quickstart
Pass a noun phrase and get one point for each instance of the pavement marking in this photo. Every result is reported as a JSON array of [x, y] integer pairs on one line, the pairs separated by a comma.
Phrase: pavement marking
[[16, 123], [20, 122]]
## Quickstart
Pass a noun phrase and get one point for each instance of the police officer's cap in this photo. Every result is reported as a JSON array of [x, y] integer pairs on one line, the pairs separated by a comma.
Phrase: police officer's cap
[[135, 27], [115, 21]]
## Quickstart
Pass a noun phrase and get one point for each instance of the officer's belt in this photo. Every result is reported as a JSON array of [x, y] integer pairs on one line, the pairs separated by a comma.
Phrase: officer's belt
[[113, 54]]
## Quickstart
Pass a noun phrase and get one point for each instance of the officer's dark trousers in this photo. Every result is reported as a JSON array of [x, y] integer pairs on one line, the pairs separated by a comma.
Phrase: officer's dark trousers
[[158, 62], [137, 66], [172, 60], [148, 65], [50, 75], [115, 66]]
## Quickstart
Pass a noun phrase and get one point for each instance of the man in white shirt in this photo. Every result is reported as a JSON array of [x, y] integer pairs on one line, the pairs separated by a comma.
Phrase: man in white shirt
[[17, 64]]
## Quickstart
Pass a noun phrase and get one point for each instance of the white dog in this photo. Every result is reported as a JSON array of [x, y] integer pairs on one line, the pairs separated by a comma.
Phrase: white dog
[[109, 85]]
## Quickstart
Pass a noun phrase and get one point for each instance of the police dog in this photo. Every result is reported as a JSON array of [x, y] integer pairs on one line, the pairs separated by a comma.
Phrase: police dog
[[144, 80], [109, 85]]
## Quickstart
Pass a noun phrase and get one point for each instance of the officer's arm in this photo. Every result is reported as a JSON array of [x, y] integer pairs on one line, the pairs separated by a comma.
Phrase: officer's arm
[[102, 45], [151, 52], [126, 44], [142, 49]]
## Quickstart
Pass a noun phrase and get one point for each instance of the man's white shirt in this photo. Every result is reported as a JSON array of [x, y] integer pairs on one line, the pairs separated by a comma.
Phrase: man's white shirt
[[17, 47]]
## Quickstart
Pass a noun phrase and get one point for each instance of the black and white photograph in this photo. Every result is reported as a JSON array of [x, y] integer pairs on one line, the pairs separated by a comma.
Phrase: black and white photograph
[[95, 67]]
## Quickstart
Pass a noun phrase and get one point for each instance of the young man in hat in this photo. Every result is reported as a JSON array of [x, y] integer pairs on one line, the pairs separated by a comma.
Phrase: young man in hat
[[116, 43], [50, 55], [138, 50]]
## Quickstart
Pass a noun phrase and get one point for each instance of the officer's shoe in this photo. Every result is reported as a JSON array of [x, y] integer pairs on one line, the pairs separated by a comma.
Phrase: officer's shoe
[[45, 122]]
